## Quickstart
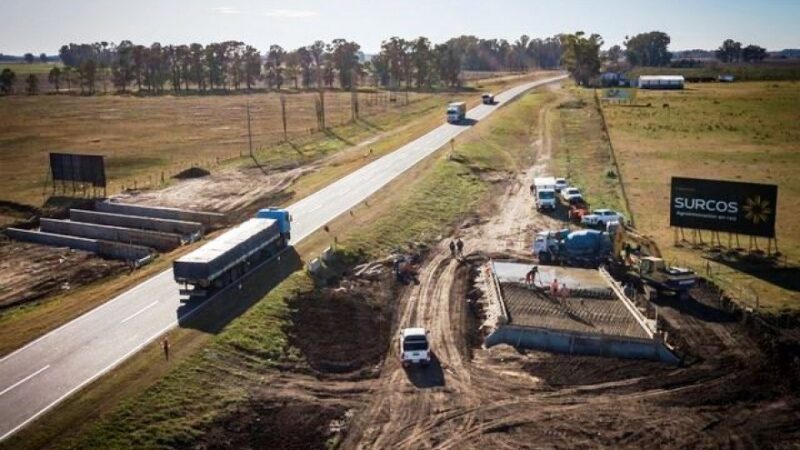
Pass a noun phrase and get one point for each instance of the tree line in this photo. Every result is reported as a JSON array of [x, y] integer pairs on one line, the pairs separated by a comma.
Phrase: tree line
[[234, 65]]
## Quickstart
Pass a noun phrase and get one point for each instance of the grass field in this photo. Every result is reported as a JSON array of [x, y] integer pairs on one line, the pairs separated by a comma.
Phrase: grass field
[[740, 131], [24, 69], [767, 70], [171, 411]]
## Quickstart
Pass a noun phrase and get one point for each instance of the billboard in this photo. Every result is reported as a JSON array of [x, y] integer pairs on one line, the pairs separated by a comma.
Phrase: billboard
[[79, 168], [734, 207]]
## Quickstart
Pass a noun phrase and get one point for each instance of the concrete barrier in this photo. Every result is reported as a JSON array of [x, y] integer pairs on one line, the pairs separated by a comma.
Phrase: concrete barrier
[[162, 242], [209, 219], [182, 227], [314, 265], [575, 343], [112, 250], [327, 255]]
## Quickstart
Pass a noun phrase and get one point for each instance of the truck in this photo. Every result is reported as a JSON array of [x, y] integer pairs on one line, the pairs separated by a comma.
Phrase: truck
[[640, 258], [456, 112], [544, 193], [414, 347], [487, 98], [582, 248], [231, 255]]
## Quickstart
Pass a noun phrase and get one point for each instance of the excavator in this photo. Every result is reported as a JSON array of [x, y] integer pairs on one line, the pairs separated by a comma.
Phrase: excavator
[[641, 258]]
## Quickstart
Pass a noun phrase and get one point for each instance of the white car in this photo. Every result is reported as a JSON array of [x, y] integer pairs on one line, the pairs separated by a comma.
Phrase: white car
[[414, 346], [561, 183], [602, 217], [570, 193]]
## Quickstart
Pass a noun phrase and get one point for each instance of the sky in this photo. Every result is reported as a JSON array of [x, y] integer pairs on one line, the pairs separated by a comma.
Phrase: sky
[[38, 26]]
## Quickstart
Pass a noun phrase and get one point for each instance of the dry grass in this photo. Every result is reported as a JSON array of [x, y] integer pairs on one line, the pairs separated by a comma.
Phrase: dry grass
[[739, 131]]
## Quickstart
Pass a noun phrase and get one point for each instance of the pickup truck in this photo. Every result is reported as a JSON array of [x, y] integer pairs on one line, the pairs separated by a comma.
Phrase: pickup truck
[[487, 99], [414, 347], [602, 217], [569, 193]]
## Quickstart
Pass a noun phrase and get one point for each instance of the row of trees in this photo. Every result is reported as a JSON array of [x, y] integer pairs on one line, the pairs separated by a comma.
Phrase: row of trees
[[732, 51], [234, 65]]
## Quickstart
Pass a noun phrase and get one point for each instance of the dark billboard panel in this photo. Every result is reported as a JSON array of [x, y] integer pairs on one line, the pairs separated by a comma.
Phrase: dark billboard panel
[[79, 168], [734, 207]]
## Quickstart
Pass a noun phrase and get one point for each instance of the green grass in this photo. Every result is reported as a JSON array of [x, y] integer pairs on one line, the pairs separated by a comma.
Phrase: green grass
[[739, 131], [172, 412], [769, 70], [25, 69]]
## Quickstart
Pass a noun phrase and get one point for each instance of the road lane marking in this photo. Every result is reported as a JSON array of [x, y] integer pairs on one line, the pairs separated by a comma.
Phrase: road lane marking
[[25, 379], [139, 312]]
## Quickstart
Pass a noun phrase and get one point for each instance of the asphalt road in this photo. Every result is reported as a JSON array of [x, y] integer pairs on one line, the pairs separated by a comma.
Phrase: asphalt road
[[44, 372]]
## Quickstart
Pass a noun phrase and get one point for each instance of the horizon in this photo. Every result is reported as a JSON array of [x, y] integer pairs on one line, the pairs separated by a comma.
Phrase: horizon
[[261, 25]]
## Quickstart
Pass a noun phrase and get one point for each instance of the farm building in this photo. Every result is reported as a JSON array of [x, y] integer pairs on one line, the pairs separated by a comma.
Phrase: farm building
[[661, 82]]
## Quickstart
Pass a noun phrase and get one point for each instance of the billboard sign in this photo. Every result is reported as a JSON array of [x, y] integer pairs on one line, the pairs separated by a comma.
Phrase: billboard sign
[[79, 168], [734, 207]]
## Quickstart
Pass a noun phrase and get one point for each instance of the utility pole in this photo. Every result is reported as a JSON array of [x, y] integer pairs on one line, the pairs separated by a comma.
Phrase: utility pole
[[249, 133]]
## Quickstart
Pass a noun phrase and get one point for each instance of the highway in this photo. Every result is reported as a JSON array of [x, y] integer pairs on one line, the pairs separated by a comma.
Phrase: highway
[[44, 372]]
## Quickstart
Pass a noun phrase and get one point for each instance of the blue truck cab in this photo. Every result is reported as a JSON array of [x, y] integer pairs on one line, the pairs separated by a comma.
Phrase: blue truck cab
[[282, 217]]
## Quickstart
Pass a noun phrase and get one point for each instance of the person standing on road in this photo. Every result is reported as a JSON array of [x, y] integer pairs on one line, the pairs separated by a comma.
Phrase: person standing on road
[[460, 247], [165, 346], [554, 287], [563, 292], [453, 249]]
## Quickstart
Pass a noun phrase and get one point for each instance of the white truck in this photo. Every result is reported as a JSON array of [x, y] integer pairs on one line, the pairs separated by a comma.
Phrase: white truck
[[544, 193], [414, 347], [456, 112]]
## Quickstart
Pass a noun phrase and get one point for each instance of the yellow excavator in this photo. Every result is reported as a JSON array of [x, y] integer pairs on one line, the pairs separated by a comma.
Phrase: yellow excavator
[[641, 258]]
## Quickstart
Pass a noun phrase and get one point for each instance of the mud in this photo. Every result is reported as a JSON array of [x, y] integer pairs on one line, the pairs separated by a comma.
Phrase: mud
[[29, 272]]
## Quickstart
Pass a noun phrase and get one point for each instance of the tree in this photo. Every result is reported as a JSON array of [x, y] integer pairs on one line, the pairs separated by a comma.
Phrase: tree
[[54, 77], [7, 80], [274, 66], [448, 64], [306, 61], [29, 58], [32, 84], [614, 54], [197, 66], [317, 52], [344, 59], [292, 67], [67, 75], [393, 53], [422, 58], [648, 49], [252, 66], [43, 57], [754, 53], [729, 51], [88, 75], [581, 56], [122, 67]]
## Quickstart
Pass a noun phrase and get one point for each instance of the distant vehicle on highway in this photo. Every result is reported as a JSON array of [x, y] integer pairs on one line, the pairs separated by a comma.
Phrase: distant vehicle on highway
[[456, 112], [231, 255], [570, 193], [414, 347], [602, 217], [561, 183], [487, 99]]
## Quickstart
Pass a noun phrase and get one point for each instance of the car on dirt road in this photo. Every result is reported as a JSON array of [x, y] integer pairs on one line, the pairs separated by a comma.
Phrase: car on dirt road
[[570, 193], [414, 347], [561, 183], [602, 217]]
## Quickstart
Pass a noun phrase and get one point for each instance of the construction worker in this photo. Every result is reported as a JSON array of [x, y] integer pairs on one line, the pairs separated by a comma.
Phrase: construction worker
[[460, 247], [453, 249], [165, 346], [563, 292], [530, 277], [554, 287]]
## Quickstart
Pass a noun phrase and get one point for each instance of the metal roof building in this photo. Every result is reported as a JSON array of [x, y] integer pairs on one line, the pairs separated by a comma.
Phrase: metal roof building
[[661, 82]]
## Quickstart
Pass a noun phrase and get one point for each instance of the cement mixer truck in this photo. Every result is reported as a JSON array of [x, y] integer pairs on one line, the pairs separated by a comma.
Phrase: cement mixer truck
[[582, 248]]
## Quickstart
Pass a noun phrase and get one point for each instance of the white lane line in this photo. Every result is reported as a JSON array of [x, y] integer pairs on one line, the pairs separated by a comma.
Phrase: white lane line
[[139, 312], [25, 379]]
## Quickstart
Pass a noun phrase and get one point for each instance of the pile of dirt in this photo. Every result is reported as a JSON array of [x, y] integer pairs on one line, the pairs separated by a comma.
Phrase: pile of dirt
[[270, 422], [29, 272], [344, 329], [571, 370], [193, 172]]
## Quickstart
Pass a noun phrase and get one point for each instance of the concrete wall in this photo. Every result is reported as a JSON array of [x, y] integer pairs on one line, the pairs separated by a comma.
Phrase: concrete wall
[[113, 250], [572, 343], [144, 223], [209, 219], [162, 242]]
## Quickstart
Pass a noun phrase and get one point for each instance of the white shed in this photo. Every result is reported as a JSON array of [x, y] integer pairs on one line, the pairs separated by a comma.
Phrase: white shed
[[661, 82]]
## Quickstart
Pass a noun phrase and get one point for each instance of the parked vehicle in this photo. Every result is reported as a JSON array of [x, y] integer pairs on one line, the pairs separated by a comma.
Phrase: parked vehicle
[[569, 193], [226, 258], [576, 248], [456, 112], [487, 99], [601, 217], [561, 183], [414, 346], [577, 209], [544, 194]]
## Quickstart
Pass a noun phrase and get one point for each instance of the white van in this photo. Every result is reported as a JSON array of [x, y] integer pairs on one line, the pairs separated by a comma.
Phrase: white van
[[544, 193]]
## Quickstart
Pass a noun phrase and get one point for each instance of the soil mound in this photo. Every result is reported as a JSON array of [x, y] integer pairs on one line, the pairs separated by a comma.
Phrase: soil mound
[[193, 172]]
